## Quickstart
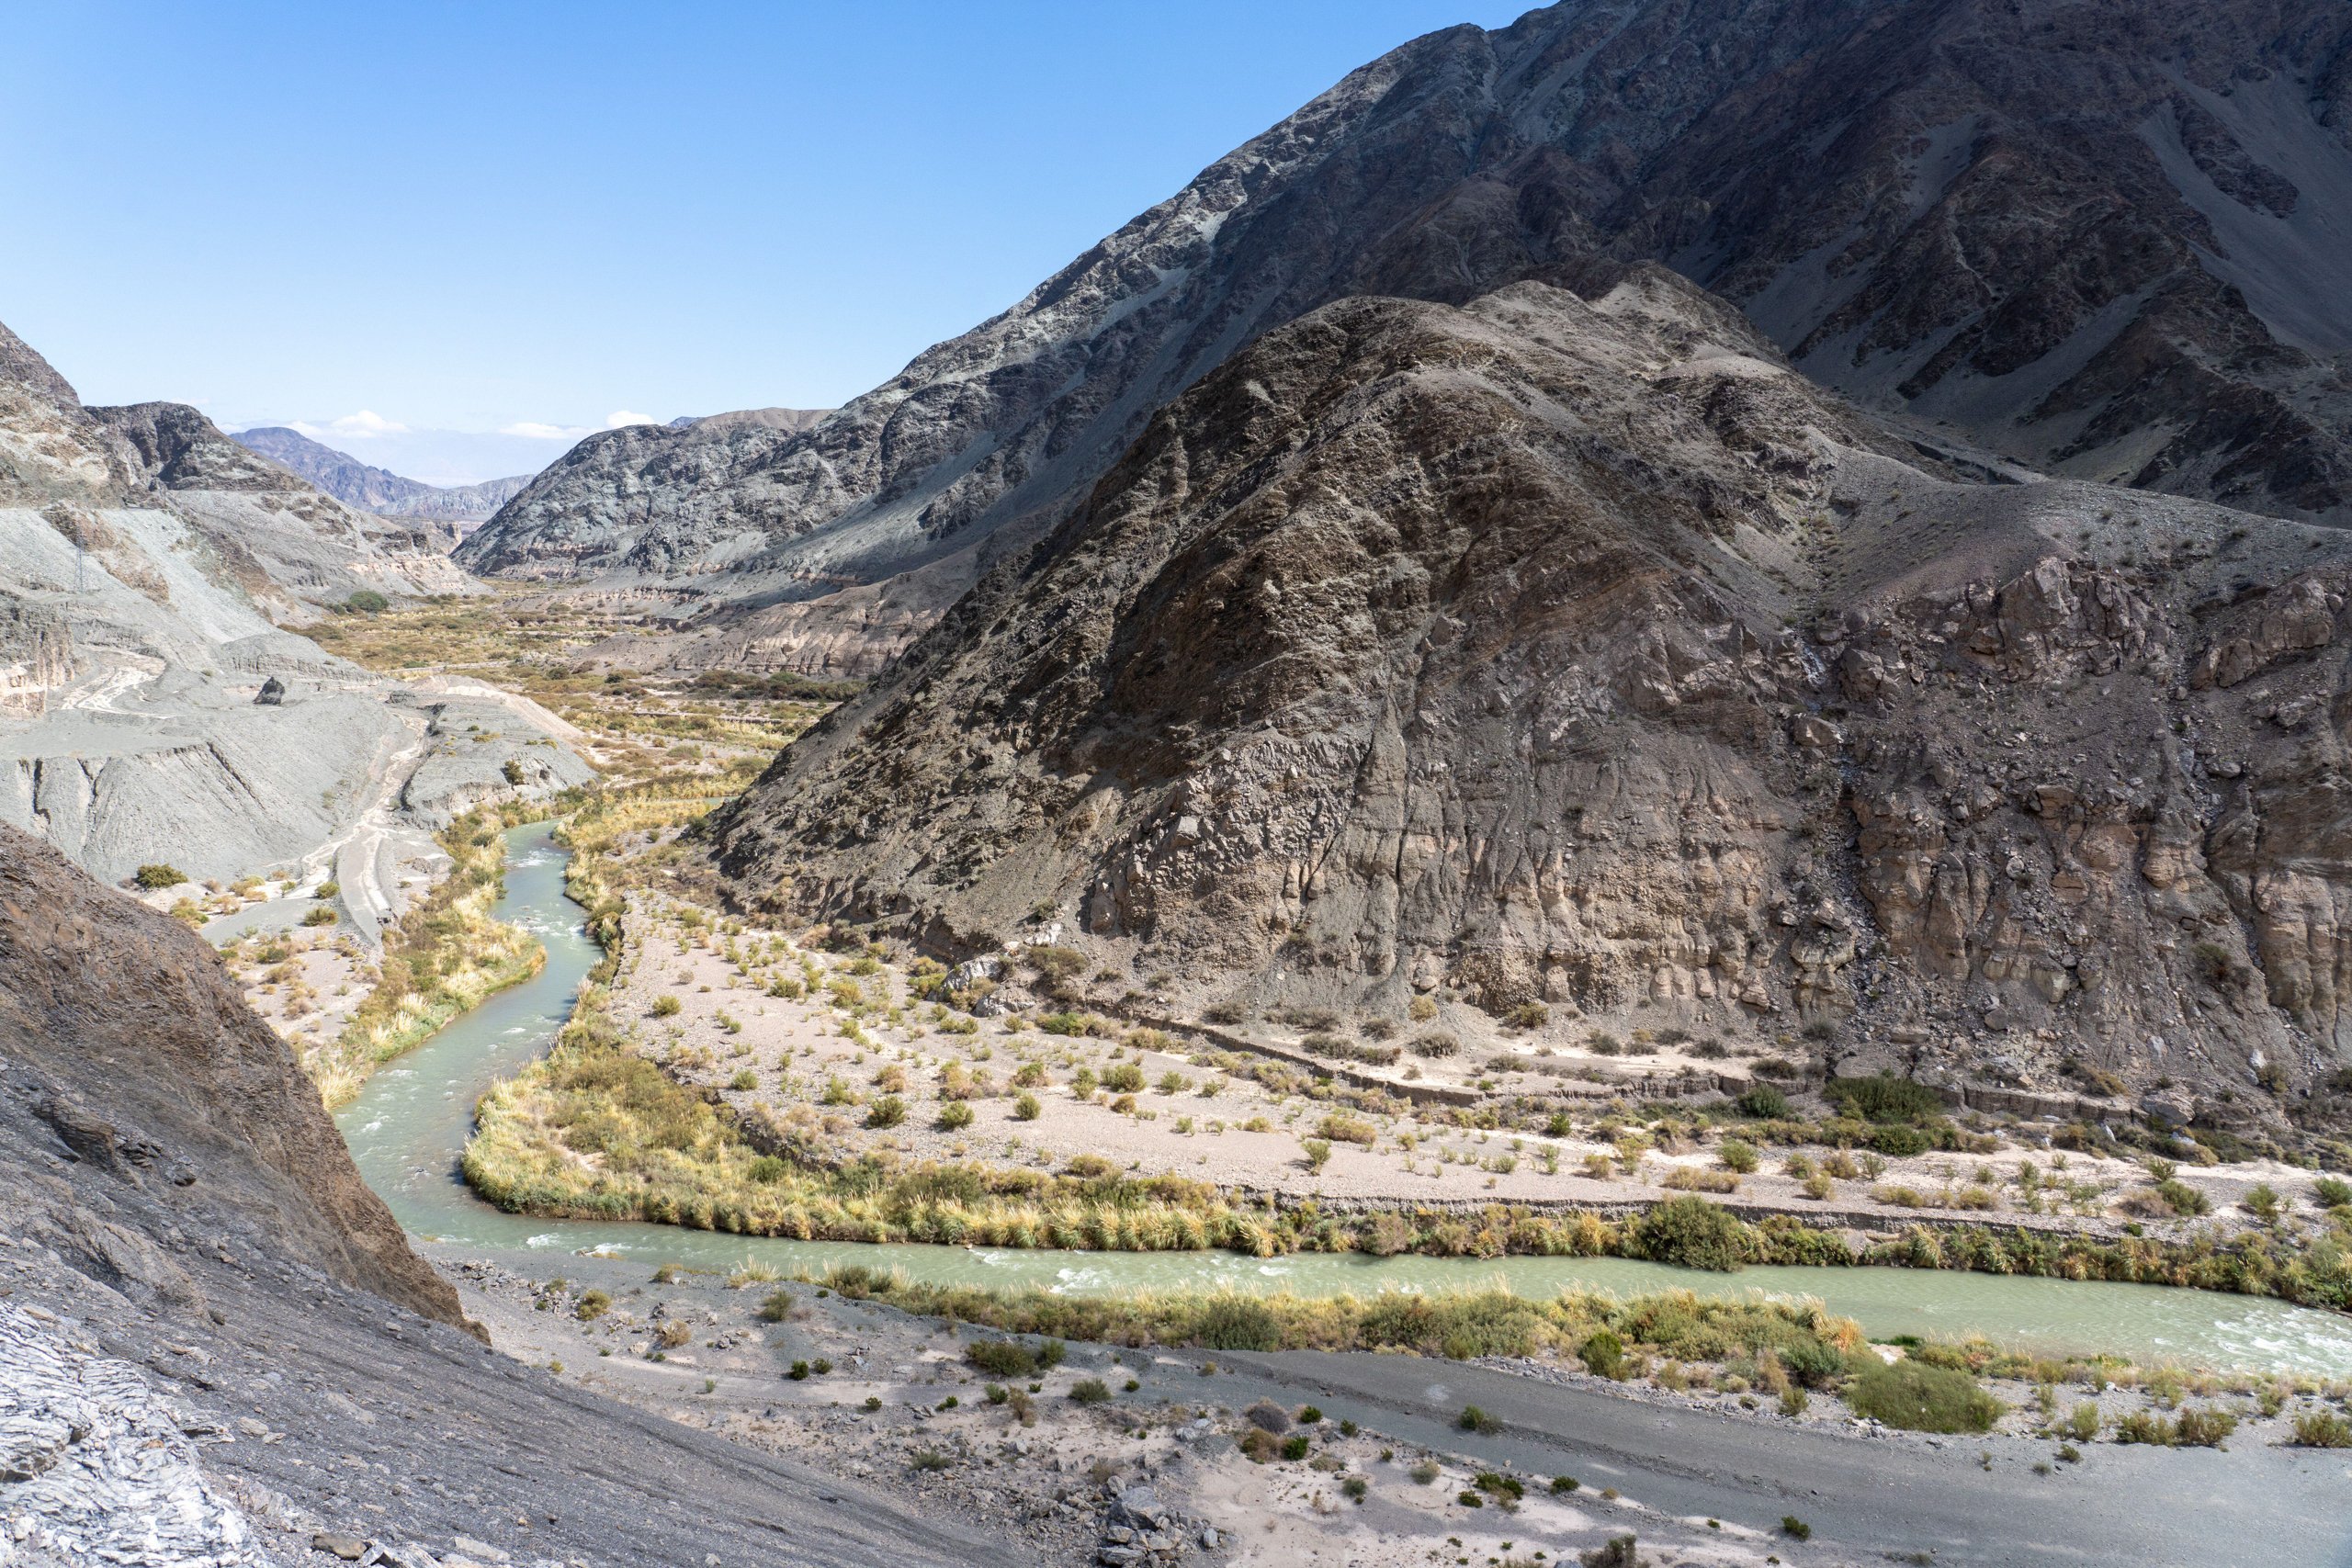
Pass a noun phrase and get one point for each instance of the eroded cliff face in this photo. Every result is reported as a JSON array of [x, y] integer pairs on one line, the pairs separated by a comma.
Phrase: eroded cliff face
[[124, 1037], [291, 545], [2107, 241], [1573, 648]]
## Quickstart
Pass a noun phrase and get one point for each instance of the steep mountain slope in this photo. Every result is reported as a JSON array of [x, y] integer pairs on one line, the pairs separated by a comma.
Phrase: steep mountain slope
[[647, 490], [208, 1317], [309, 549], [2107, 238], [145, 561], [1575, 649], [376, 490]]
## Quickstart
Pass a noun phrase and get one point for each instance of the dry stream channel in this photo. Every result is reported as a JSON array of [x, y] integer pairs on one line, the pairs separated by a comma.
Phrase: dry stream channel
[[409, 1125]]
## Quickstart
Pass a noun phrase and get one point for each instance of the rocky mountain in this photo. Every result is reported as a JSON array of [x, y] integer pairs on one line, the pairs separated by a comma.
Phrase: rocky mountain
[[209, 1318], [376, 490], [300, 547], [149, 568], [631, 484], [1568, 646], [2107, 240]]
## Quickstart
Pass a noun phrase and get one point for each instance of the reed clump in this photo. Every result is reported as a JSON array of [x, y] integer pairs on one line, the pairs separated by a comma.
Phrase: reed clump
[[443, 958]]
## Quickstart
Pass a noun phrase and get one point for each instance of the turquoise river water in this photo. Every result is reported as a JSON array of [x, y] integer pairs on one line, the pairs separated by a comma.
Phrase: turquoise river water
[[408, 1124]]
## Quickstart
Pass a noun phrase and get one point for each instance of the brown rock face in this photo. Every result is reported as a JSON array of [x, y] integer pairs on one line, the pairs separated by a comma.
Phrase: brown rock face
[[1573, 648], [2109, 240], [137, 1051]]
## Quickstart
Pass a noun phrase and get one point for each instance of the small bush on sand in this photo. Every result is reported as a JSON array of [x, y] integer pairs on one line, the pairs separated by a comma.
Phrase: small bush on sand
[[1921, 1398], [2322, 1429]]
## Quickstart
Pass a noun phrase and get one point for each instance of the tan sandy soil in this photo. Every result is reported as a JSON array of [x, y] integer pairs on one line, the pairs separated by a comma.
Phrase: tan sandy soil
[[726, 1024]]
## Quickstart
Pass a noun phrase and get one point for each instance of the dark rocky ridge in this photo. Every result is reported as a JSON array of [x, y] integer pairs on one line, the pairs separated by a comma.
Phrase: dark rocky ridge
[[129, 1045], [2109, 239], [174, 1198], [1575, 649]]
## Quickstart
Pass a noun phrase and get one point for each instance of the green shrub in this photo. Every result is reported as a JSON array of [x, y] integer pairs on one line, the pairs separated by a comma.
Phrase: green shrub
[[888, 1111], [1603, 1354], [1763, 1103], [2183, 1199], [1899, 1142], [159, 876], [1794, 1527], [744, 1081], [767, 1171], [1473, 1419], [665, 1006], [1003, 1357], [1124, 1077], [1469, 1499], [1094, 1390], [2203, 1426], [1814, 1362], [1693, 1232], [1024, 1108], [1920, 1398], [1566, 1483], [955, 1114], [777, 1307], [2329, 1192], [2322, 1430], [1884, 1098], [366, 602], [1737, 1156], [1232, 1321], [1295, 1447], [593, 1305]]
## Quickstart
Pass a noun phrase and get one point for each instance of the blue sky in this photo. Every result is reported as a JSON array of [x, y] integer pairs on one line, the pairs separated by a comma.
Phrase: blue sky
[[416, 227]]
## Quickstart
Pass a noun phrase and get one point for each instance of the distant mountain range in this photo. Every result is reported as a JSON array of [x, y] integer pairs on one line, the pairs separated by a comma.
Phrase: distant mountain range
[[374, 489]]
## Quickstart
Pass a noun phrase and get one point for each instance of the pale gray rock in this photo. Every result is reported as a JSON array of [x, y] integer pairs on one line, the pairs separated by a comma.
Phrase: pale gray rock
[[376, 490]]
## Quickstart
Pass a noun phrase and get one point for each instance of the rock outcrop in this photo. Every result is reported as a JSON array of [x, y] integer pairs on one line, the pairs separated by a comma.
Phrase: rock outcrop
[[209, 1318], [129, 1046], [1572, 648], [148, 566], [297, 547], [2105, 240]]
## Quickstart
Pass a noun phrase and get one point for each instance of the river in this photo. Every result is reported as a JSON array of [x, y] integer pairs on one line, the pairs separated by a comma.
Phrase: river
[[408, 1125]]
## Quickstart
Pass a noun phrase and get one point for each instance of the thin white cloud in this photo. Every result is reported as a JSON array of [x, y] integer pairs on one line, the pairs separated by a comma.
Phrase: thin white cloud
[[365, 426], [620, 417], [535, 431]]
